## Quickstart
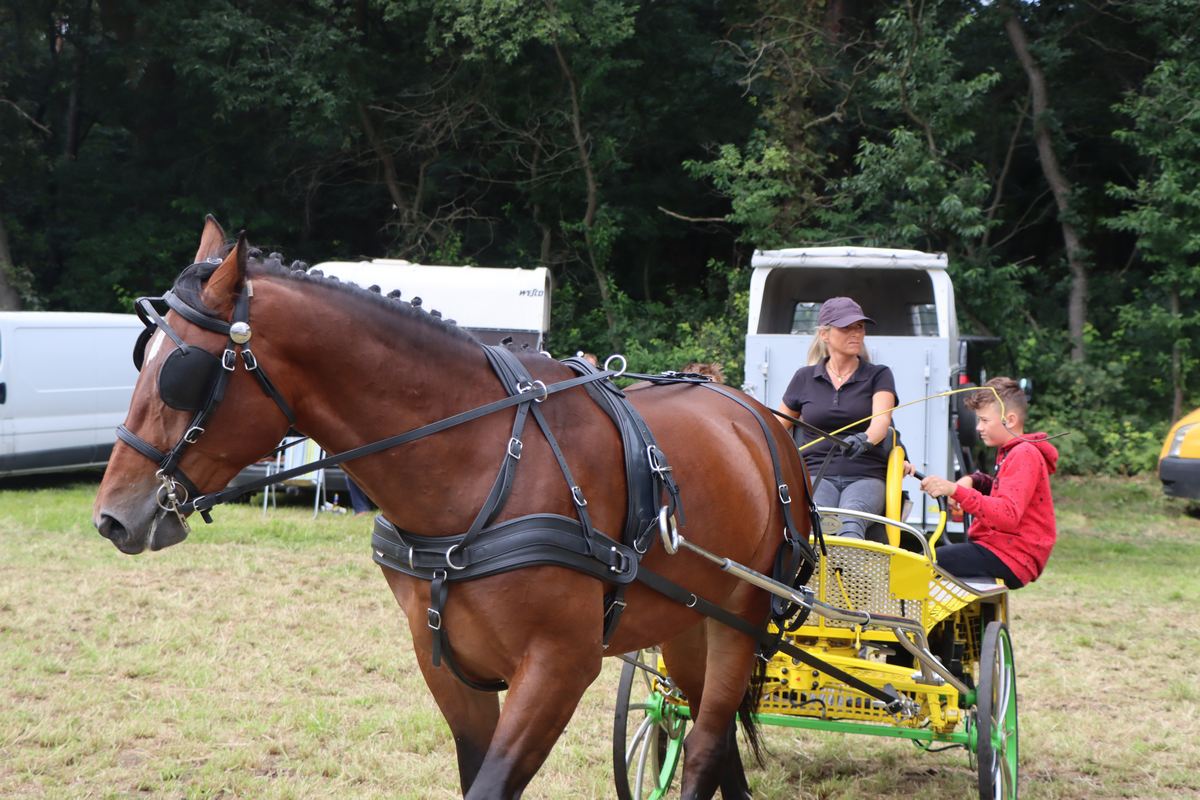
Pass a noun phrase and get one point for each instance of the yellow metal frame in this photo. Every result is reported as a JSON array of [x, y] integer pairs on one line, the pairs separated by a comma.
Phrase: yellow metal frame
[[860, 575], [894, 503]]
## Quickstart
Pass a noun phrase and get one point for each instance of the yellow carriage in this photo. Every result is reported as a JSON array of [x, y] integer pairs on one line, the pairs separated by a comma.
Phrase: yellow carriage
[[882, 615]]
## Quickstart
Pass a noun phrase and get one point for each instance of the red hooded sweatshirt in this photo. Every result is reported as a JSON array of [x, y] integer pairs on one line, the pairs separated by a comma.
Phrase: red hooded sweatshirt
[[1014, 512]]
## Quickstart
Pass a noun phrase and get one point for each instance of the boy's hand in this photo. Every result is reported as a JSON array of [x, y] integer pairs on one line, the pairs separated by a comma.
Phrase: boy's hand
[[936, 486], [963, 481], [909, 469]]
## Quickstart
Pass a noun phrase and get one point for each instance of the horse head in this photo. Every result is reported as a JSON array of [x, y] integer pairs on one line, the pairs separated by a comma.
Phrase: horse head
[[179, 438]]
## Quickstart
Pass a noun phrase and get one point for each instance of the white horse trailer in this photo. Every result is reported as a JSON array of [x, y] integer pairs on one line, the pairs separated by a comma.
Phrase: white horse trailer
[[909, 295]]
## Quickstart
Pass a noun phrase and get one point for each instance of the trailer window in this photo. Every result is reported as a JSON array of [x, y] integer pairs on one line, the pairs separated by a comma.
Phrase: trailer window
[[901, 301], [804, 318], [924, 319]]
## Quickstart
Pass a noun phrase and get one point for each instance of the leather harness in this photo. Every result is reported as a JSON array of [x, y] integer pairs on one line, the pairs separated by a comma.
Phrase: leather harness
[[552, 539], [539, 539]]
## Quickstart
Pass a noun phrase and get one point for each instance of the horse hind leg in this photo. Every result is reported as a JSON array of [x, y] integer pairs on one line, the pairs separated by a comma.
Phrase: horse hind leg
[[711, 760], [734, 784]]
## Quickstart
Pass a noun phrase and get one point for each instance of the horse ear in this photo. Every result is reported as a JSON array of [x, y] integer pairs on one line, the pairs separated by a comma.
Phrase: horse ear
[[221, 289], [211, 239]]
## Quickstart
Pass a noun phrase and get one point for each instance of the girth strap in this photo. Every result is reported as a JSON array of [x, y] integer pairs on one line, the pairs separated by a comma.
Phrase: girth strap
[[537, 540]]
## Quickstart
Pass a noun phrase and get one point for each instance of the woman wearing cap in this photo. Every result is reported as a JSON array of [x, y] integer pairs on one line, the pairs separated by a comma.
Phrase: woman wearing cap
[[840, 386]]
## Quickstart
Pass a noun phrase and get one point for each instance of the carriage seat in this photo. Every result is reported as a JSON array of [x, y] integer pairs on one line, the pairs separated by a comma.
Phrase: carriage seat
[[865, 576]]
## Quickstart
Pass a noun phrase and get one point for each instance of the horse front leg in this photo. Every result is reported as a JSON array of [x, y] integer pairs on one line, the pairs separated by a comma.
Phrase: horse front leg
[[541, 699], [471, 715]]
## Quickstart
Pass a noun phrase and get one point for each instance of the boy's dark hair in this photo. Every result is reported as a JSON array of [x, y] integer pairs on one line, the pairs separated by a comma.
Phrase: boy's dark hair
[[1010, 393]]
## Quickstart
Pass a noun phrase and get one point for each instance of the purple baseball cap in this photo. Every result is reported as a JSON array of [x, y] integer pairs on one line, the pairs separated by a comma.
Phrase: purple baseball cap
[[841, 312]]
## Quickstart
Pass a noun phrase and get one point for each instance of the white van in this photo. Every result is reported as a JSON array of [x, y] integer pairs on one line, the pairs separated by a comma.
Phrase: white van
[[66, 379], [911, 298], [493, 303]]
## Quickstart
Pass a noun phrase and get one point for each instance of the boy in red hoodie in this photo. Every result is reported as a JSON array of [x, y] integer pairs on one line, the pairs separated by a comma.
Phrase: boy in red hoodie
[[1014, 530]]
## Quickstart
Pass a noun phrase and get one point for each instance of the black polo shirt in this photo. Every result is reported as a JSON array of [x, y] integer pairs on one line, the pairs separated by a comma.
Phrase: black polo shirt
[[812, 396]]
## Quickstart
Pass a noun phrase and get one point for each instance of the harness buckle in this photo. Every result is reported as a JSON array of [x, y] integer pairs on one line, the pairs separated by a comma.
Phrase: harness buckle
[[249, 360], [229, 360], [192, 435], [577, 495], [785, 494], [433, 618], [514, 448], [622, 565], [658, 462]]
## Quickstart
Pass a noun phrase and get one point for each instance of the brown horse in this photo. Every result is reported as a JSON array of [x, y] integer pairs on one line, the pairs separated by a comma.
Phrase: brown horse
[[355, 367]]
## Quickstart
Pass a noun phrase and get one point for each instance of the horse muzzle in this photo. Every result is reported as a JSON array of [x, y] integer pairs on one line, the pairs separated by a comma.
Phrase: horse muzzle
[[161, 529]]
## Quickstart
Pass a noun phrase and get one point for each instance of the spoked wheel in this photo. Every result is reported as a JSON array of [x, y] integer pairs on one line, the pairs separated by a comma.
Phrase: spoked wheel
[[647, 732], [996, 716]]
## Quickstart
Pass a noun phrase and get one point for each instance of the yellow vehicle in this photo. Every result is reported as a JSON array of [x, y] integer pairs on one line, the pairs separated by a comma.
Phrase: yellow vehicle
[[874, 617], [1179, 462]]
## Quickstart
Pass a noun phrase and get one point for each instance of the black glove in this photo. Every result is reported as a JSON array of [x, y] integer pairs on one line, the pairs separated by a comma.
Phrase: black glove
[[856, 444]]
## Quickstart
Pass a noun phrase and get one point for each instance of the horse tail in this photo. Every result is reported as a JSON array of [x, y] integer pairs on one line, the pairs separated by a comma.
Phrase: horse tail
[[748, 708]]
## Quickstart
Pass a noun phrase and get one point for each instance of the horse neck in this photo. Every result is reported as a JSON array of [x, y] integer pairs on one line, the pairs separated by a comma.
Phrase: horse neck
[[355, 363]]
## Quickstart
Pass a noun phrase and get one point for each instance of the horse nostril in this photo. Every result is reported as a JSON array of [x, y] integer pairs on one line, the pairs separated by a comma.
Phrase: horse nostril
[[111, 529]]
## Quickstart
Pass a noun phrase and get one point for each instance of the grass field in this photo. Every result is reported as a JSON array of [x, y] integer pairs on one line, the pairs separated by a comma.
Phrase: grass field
[[265, 658]]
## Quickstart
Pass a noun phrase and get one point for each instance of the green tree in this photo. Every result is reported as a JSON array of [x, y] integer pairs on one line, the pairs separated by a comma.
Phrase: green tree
[[1163, 211]]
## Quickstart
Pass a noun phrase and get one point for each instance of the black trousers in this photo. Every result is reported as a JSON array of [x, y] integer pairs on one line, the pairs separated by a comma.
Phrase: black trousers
[[971, 560]]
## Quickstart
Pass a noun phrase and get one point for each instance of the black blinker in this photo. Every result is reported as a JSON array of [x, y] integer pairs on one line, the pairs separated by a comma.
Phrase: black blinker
[[187, 378], [139, 347]]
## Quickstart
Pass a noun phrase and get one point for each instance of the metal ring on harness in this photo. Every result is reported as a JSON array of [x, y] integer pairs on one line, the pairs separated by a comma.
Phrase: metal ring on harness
[[168, 490], [621, 358], [669, 531], [529, 387], [449, 562]]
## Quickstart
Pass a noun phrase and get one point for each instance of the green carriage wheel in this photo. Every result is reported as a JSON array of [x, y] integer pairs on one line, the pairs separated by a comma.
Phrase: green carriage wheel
[[647, 734], [996, 731]]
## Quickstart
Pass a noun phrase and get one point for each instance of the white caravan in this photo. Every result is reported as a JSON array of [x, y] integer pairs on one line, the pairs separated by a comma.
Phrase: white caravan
[[494, 304], [909, 295], [65, 383]]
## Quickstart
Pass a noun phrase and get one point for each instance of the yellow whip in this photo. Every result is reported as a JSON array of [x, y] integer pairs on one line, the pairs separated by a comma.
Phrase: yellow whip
[[946, 393]]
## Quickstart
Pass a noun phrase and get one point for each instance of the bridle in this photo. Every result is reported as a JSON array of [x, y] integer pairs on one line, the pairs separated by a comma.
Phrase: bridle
[[193, 379]]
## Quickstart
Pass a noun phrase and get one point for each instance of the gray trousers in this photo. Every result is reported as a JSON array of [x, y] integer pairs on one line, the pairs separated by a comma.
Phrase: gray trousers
[[856, 494]]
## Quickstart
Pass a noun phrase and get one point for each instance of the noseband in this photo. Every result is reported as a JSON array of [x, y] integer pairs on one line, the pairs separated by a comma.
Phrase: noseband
[[193, 379]]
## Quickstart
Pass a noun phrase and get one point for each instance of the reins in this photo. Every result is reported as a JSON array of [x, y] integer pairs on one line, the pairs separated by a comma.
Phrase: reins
[[207, 501]]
